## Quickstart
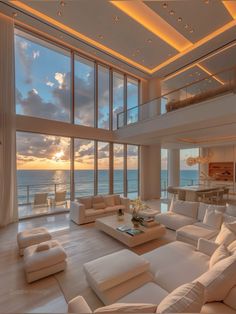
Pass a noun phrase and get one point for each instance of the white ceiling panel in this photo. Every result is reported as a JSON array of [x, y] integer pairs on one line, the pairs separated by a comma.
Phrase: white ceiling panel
[[194, 19]]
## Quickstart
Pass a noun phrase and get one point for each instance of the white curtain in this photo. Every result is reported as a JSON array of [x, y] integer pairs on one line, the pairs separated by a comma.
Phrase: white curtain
[[8, 203]]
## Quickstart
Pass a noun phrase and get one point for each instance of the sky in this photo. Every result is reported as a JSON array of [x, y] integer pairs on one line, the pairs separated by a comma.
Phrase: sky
[[43, 90]]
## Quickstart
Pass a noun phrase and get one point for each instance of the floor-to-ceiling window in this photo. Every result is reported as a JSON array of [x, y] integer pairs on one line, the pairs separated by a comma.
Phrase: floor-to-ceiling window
[[84, 161], [84, 91], [132, 171], [103, 120], [132, 100], [118, 97], [103, 166], [43, 79], [118, 168], [43, 167], [189, 175]]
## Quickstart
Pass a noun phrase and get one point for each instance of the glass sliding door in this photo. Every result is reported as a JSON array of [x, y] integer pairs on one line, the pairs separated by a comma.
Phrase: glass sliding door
[[189, 175], [84, 91], [43, 167], [118, 168], [103, 168], [132, 171], [84, 155], [103, 94], [118, 97]]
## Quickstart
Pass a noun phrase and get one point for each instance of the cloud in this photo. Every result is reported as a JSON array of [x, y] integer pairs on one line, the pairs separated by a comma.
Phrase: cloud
[[25, 59], [35, 54], [60, 78], [34, 90], [51, 84]]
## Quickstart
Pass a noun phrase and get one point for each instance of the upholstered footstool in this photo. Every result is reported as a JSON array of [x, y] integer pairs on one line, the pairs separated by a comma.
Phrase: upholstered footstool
[[44, 259], [32, 236], [191, 233], [114, 275]]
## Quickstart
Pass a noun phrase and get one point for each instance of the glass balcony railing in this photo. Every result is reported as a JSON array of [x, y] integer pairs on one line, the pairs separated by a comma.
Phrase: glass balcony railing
[[209, 87]]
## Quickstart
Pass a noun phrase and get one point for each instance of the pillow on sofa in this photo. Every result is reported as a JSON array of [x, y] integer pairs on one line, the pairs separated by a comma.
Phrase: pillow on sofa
[[185, 208], [98, 199], [128, 308], [230, 210], [226, 235], [86, 201], [213, 218], [109, 200], [219, 279], [202, 209], [220, 253], [232, 247], [117, 199], [188, 298], [99, 205]]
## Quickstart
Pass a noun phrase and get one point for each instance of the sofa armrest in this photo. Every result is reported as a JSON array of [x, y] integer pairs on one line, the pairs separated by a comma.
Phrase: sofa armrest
[[78, 305], [128, 308], [206, 246], [77, 212], [126, 202]]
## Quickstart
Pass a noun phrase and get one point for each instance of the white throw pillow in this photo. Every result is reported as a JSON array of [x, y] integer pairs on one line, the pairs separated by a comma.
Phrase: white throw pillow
[[203, 207], [219, 279], [187, 298], [213, 218], [109, 200], [232, 247], [226, 235], [128, 308], [230, 210], [220, 253], [185, 208]]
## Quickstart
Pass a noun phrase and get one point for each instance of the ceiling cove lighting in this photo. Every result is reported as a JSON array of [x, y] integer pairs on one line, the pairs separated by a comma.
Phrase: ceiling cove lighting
[[144, 16], [231, 7], [72, 31]]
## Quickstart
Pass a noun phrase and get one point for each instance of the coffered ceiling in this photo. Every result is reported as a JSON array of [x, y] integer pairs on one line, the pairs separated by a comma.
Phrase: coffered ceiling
[[150, 38]]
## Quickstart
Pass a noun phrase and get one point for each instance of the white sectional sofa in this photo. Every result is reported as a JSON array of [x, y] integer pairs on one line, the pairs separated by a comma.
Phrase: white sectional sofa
[[88, 209], [190, 223], [170, 266]]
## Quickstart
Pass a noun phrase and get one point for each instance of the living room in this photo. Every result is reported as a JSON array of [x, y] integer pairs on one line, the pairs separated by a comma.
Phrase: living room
[[117, 152]]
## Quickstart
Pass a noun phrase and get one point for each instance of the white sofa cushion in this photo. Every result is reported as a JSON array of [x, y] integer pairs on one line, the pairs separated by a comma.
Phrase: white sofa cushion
[[86, 201], [148, 293], [230, 210], [33, 236], [213, 218], [185, 208], [220, 253], [216, 307], [101, 205], [206, 246], [230, 299], [174, 221], [188, 298], [109, 200], [125, 265], [194, 232], [93, 212], [219, 279], [128, 308], [232, 247], [226, 235], [202, 209], [79, 305], [228, 218], [175, 264]]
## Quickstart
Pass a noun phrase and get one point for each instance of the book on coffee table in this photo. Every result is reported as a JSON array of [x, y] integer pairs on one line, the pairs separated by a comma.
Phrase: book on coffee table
[[134, 232], [123, 228]]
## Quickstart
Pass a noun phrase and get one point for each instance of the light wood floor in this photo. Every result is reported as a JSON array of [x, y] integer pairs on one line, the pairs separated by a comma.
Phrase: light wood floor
[[50, 295]]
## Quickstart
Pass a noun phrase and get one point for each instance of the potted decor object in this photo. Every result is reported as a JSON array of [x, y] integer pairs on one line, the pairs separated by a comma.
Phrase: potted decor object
[[136, 207], [120, 214]]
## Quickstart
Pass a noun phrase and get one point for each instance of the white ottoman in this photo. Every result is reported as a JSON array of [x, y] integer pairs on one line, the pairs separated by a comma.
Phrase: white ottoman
[[114, 275], [44, 259], [32, 236]]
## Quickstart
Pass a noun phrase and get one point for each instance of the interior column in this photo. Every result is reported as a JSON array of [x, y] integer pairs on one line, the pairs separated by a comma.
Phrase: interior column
[[173, 167], [150, 172]]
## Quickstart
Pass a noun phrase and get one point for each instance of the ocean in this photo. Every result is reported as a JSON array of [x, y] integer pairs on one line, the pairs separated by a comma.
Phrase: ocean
[[30, 182]]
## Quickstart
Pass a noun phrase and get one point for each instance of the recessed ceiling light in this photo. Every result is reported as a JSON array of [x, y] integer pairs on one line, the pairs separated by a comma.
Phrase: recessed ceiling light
[[165, 5], [172, 12], [179, 19], [191, 31], [100, 36], [186, 26], [59, 13], [62, 3], [14, 14], [116, 18], [207, 1], [149, 40]]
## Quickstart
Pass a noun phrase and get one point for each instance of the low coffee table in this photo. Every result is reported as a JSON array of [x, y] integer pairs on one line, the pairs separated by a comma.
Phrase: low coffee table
[[110, 224]]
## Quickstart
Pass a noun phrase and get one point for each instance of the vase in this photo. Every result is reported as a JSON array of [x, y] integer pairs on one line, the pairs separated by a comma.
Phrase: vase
[[135, 222]]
